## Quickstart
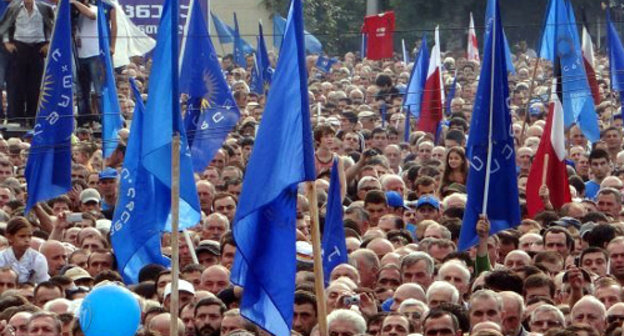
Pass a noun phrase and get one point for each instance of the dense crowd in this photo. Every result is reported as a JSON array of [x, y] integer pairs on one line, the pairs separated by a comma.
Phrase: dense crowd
[[558, 273]]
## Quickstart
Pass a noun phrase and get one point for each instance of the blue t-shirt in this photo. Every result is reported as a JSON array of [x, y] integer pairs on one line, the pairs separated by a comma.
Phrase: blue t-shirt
[[591, 189]]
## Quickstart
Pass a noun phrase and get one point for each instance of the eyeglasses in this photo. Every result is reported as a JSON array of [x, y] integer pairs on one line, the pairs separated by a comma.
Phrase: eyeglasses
[[615, 318]]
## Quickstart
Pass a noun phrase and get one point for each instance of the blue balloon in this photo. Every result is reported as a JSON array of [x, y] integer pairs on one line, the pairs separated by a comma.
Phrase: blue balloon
[[110, 310]]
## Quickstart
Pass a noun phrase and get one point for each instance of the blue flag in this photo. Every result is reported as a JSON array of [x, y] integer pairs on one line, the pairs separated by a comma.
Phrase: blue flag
[[489, 12], [211, 111], [48, 170], [312, 44], [363, 46], [333, 243], [324, 63], [416, 85], [136, 228], [265, 218], [163, 118], [407, 131], [224, 32], [490, 133], [109, 103], [451, 95], [560, 39], [616, 57], [262, 72], [241, 47]]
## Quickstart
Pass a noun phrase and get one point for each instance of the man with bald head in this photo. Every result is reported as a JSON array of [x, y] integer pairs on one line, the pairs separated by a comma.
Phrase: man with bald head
[[215, 279], [161, 323], [367, 264], [516, 259], [407, 291], [381, 247], [54, 252], [345, 270]]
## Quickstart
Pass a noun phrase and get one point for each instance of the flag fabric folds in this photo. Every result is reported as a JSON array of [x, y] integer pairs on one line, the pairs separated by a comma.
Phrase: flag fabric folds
[[312, 44], [109, 103], [552, 144], [560, 39], [211, 111], [491, 135], [489, 12], [431, 109], [225, 33], [266, 214], [616, 57], [48, 169], [262, 71], [241, 47], [416, 85], [161, 121], [136, 228], [588, 60], [333, 242], [473, 44]]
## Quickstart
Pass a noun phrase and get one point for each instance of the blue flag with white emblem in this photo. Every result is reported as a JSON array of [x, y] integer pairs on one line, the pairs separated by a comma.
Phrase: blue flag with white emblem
[[211, 111], [109, 103], [491, 133], [162, 120], [325, 63], [241, 47], [283, 156], [135, 228], [333, 243], [416, 85], [48, 170], [560, 39]]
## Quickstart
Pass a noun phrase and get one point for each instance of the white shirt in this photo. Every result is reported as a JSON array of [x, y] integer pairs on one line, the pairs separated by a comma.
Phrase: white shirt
[[32, 267], [29, 26], [87, 32]]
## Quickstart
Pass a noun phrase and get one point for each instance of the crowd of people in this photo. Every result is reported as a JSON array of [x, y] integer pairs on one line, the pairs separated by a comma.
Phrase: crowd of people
[[558, 273]]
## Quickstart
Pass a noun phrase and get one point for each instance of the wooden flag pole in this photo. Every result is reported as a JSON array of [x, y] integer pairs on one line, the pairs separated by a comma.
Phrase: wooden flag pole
[[319, 285], [175, 243], [545, 169]]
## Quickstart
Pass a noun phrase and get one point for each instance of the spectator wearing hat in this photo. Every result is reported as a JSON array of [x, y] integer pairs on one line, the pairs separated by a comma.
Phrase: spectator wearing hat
[[90, 200], [80, 277], [107, 185], [428, 207], [208, 253], [186, 293], [396, 204]]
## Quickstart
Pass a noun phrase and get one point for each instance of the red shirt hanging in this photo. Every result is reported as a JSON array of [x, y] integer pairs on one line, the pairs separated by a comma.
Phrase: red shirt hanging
[[379, 29]]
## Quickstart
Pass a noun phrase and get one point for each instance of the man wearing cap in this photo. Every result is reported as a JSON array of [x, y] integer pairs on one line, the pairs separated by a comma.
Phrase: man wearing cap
[[186, 293], [90, 200], [80, 276], [208, 253], [367, 119], [107, 183], [396, 205], [428, 207]]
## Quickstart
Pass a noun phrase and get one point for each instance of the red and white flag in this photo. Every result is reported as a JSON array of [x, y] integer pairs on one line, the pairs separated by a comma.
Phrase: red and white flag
[[588, 59], [433, 95], [552, 145], [473, 45]]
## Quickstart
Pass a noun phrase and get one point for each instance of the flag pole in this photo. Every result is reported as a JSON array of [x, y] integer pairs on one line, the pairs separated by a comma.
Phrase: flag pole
[[545, 169], [175, 244], [488, 167], [318, 260]]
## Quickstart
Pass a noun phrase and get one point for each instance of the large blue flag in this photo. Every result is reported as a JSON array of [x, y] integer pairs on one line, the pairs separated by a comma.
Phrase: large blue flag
[[616, 57], [211, 111], [136, 228], [265, 218], [491, 134], [48, 170], [262, 72], [333, 242], [312, 44], [489, 12], [109, 103], [162, 120], [225, 33], [416, 85], [560, 39], [241, 47]]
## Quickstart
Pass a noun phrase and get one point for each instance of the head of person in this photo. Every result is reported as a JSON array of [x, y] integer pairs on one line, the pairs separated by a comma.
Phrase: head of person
[[546, 317], [486, 305], [343, 322], [441, 322], [590, 310], [417, 267]]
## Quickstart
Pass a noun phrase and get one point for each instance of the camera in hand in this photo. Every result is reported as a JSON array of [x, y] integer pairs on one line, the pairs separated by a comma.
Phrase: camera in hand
[[352, 300]]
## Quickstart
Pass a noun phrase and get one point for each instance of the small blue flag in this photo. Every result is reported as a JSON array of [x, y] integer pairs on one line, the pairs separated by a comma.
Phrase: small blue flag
[[109, 103], [324, 63], [135, 229], [312, 44], [451, 95], [48, 170], [211, 111], [490, 134], [407, 131], [616, 57], [333, 243], [162, 120], [262, 72], [363, 46], [225, 33], [265, 230], [416, 84], [241, 47]]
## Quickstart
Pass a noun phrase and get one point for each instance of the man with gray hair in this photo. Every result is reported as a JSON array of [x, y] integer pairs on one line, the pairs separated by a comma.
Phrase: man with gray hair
[[345, 322], [486, 305], [546, 317], [215, 226], [441, 291], [456, 273], [417, 267], [44, 323], [590, 310], [513, 306]]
